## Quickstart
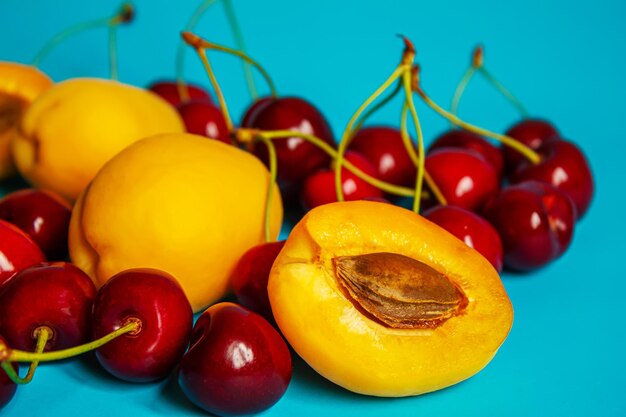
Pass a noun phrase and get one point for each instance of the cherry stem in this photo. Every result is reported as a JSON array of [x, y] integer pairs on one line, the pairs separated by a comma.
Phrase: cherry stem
[[460, 89], [197, 42], [531, 155], [348, 132], [234, 26], [43, 334], [123, 15], [407, 82], [504, 91], [183, 89], [271, 150], [216, 86], [378, 106], [133, 325], [245, 135], [408, 144]]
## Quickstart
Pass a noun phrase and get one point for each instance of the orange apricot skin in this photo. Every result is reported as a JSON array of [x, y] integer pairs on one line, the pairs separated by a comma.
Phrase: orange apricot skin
[[21, 84], [362, 355]]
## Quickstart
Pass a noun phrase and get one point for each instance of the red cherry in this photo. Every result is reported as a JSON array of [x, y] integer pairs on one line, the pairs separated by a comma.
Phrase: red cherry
[[205, 119], [249, 280], [237, 363], [157, 301], [384, 149], [17, 251], [465, 178], [535, 222], [255, 107], [57, 295], [168, 90], [319, 188], [44, 216], [565, 167], [296, 157], [532, 133], [467, 140], [7, 387], [472, 229]]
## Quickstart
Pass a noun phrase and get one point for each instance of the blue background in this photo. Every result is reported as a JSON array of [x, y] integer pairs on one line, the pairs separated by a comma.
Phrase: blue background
[[565, 60]]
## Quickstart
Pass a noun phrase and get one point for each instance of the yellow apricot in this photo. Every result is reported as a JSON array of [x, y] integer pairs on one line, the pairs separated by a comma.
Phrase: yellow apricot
[[19, 86], [77, 125], [347, 265], [181, 203]]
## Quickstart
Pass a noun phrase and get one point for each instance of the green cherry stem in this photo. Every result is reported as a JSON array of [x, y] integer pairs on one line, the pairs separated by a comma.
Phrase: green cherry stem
[[531, 155], [132, 325], [377, 106], [348, 132], [407, 82], [43, 334], [460, 89], [271, 150], [504, 91], [183, 89], [234, 26], [123, 15]]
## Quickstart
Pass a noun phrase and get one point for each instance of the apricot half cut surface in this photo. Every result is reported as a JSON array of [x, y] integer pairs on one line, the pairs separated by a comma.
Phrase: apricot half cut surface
[[184, 204], [77, 125], [383, 302], [19, 86]]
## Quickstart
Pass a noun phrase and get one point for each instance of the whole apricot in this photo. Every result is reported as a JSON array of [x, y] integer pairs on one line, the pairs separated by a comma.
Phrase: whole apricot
[[180, 203], [19, 86], [77, 125], [383, 302]]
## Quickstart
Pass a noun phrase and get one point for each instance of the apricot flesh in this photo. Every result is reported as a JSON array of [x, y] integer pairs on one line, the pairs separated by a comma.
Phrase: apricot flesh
[[353, 349], [19, 86], [77, 125], [181, 203]]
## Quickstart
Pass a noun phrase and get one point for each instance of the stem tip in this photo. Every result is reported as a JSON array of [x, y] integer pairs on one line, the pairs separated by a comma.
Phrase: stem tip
[[192, 39], [126, 13], [409, 50], [478, 57]]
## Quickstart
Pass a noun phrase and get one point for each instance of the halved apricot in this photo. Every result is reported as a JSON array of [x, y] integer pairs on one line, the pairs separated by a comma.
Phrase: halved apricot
[[383, 302], [20, 85]]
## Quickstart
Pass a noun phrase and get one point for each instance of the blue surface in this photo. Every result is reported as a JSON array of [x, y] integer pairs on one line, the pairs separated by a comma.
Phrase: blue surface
[[566, 62]]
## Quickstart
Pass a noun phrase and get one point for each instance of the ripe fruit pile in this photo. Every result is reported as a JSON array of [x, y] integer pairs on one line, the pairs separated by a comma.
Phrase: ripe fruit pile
[[169, 248]]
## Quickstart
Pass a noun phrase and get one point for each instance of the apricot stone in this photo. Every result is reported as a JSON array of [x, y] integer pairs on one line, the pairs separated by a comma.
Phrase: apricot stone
[[383, 302]]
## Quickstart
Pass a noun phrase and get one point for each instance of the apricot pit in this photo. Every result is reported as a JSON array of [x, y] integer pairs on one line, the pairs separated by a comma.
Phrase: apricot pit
[[383, 302]]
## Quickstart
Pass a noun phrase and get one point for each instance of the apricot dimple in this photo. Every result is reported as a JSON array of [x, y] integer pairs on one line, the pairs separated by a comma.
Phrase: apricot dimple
[[399, 291]]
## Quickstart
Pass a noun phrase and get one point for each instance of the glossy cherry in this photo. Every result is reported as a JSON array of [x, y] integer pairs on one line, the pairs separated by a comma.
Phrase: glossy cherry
[[169, 91], [44, 216], [57, 295], [532, 133], [250, 277], [383, 147], [535, 222], [155, 300], [464, 177], [564, 166], [7, 387], [296, 157], [237, 363], [472, 229], [205, 119], [17, 251], [464, 139], [319, 188]]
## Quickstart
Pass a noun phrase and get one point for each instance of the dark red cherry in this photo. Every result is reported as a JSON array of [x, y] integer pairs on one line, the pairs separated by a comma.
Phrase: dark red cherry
[[168, 90], [532, 133], [467, 140], [237, 363], [17, 251], [472, 229], [255, 107], [383, 147], [319, 188], [44, 216], [7, 387], [565, 167], [535, 222], [158, 303], [296, 157], [205, 119], [249, 280], [57, 295], [464, 177]]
